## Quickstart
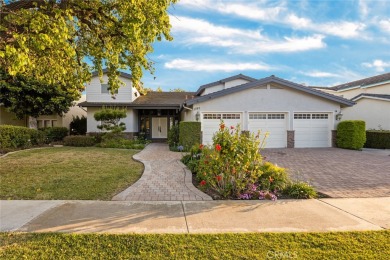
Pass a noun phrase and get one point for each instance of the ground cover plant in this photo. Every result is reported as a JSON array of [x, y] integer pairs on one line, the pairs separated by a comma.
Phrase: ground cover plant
[[67, 173], [335, 245], [233, 168]]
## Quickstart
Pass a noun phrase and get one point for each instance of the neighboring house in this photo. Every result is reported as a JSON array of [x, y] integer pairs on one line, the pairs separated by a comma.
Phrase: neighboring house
[[8, 118], [372, 97], [294, 115]]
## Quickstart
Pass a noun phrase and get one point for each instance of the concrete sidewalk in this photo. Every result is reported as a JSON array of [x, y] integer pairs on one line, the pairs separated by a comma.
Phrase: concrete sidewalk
[[195, 216]]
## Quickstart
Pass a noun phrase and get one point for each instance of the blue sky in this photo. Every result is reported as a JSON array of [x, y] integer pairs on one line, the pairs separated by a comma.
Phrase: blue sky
[[322, 43]]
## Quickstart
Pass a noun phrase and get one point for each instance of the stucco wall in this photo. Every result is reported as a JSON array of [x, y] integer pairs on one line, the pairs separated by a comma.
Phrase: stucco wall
[[126, 93], [131, 120], [372, 111], [381, 89], [74, 111], [267, 100], [7, 118]]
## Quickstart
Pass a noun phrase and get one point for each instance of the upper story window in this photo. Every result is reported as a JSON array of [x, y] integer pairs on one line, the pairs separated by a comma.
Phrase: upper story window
[[105, 89]]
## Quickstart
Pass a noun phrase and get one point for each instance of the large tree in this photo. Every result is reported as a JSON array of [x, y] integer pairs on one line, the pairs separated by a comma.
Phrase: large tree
[[50, 40], [27, 96]]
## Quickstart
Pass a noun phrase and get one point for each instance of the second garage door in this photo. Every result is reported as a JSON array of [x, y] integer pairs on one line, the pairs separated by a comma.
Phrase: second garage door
[[312, 129], [273, 123], [211, 121]]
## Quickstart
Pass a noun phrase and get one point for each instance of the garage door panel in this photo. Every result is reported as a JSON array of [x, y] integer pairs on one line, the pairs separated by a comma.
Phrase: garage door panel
[[211, 122], [273, 123], [312, 129]]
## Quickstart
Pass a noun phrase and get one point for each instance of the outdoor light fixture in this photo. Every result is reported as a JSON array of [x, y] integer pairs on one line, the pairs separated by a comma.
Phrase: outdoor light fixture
[[197, 116], [339, 116]]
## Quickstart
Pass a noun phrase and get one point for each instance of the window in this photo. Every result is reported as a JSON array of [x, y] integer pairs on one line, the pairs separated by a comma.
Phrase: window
[[301, 116], [319, 116], [105, 89], [211, 116], [231, 116], [275, 116], [257, 116]]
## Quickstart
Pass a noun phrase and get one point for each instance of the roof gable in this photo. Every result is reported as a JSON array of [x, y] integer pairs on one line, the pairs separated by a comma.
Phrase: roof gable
[[276, 80], [371, 96], [222, 81], [105, 71]]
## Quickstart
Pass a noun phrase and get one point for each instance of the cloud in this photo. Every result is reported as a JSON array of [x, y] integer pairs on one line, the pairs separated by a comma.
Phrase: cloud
[[207, 65], [321, 74], [363, 8], [384, 25], [197, 31], [279, 14], [378, 65]]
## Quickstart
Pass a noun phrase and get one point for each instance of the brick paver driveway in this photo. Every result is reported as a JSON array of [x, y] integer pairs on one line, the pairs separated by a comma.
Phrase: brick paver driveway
[[337, 172]]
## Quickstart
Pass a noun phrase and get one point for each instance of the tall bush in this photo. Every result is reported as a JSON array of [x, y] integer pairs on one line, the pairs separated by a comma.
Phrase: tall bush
[[377, 139], [351, 134], [78, 126], [189, 134], [173, 136]]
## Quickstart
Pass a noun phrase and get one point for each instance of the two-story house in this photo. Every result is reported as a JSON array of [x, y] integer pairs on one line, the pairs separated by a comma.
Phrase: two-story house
[[152, 114]]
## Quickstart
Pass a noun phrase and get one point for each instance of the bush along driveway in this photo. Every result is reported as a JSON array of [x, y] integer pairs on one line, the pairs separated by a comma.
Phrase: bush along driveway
[[67, 173]]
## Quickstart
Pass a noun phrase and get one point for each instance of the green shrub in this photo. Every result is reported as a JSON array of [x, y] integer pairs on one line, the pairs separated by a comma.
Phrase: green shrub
[[79, 141], [273, 178], [189, 134], [300, 190], [78, 126], [110, 119], [377, 139], [54, 134], [173, 136], [351, 134], [117, 140], [192, 160], [19, 137]]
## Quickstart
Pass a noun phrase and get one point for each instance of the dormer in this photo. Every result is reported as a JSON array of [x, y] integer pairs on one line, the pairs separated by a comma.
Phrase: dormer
[[222, 84], [98, 91]]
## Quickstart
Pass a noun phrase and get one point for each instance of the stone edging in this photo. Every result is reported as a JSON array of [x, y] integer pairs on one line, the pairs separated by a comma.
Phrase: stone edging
[[189, 185]]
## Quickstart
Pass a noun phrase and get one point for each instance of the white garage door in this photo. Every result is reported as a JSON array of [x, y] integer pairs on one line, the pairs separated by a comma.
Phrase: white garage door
[[312, 129], [211, 121], [273, 123]]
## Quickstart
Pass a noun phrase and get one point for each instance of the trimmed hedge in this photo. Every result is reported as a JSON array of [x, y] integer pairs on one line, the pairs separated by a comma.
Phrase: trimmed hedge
[[79, 141], [55, 134], [189, 134], [351, 134], [173, 136], [377, 139], [19, 137]]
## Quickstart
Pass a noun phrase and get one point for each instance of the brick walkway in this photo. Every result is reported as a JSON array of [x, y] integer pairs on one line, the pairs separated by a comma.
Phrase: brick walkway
[[337, 172], [164, 179]]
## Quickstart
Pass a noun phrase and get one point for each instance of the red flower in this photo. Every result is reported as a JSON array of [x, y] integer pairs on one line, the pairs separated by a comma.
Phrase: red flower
[[232, 127], [202, 183], [222, 126], [201, 146], [271, 179], [218, 177], [218, 147]]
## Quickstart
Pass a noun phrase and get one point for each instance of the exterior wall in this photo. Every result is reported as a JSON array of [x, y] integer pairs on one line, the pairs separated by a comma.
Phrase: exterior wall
[[268, 100], [372, 111], [126, 93], [54, 120], [228, 84], [73, 112], [7, 118], [131, 120], [381, 89]]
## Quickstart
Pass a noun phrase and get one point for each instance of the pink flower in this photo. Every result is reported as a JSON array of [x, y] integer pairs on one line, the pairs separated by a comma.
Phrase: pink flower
[[218, 147], [232, 127]]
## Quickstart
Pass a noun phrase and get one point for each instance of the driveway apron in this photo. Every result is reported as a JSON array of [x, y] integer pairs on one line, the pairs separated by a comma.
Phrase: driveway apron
[[164, 178]]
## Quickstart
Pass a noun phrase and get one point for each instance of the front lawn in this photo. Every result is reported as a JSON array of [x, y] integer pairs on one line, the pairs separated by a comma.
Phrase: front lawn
[[67, 173], [337, 245]]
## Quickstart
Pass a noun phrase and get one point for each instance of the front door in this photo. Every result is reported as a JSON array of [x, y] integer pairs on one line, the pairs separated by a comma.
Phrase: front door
[[159, 127]]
